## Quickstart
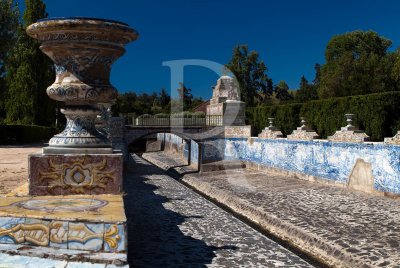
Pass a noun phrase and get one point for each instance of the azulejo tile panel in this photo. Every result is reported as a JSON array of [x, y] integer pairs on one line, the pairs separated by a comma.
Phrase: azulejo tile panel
[[85, 236], [115, 238], [10, 229], [332, 161], [75, 174], [81, 222]]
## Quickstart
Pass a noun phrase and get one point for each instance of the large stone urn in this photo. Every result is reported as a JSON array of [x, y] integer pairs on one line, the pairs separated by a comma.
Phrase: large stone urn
[[83, 50], [80, 160]]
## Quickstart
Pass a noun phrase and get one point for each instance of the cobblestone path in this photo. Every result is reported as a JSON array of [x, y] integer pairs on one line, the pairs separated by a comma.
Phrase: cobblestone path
[[171, 226], [338, 226]]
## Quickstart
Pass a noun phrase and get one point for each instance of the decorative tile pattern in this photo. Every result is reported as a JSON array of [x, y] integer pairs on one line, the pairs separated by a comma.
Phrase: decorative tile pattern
[[332, 161], [67, 222], [85, 236], [7, 233], [115, 239], [59, 234], [75, 174]]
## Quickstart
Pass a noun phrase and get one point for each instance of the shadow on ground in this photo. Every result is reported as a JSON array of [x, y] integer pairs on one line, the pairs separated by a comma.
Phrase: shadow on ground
[[155, 239]]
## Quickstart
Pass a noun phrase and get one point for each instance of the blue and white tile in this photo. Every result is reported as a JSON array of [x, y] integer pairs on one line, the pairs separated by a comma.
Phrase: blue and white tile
[[119, 237], [59, 234], [7, 223], [85, 236], [43, 234]]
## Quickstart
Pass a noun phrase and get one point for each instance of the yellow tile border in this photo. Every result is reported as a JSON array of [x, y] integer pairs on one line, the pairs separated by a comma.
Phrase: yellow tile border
[[112, 212]]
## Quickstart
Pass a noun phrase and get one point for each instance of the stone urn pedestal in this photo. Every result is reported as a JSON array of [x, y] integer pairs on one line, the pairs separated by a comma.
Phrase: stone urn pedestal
[[80, 159], [75, 204]]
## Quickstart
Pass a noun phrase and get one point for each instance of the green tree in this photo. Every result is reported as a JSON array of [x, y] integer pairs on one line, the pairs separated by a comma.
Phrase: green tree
[[9, 19], [164, 98], [250, 72], [185, 97], [306, 91], [282, 91], [356, 63], [317, 78], [29, 73]]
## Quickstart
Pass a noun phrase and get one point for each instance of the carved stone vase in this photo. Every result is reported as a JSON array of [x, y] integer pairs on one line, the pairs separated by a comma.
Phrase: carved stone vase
[[83, 50]]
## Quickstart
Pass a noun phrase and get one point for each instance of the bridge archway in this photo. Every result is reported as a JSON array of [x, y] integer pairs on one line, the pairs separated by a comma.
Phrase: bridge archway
[[169, 141]]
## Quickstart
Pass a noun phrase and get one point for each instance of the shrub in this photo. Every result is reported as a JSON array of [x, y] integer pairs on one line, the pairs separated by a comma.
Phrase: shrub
[[25, 133], [378, 114]]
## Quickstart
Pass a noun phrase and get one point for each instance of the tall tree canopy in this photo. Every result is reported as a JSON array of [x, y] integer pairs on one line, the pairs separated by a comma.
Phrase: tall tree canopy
[[9, 18], [250, 72], [306, 91], [356, 63], [29, 73], [282, 91]]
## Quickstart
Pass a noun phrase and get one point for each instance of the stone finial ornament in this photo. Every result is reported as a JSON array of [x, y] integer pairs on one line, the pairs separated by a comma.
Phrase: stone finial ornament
[[83, 50], [225, 104], [270, 132], [393, 140], [349, 133], [303, 132]]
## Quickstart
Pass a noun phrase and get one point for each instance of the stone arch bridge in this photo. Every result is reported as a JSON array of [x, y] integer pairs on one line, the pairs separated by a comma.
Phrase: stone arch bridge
[[195, 133]]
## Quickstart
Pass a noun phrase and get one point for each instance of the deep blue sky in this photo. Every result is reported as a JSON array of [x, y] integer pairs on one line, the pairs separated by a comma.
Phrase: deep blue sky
[[289, 35]]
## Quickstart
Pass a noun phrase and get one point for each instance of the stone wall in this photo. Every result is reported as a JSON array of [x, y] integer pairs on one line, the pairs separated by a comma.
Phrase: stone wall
[[370, 167], [194, 154], [187, 150]]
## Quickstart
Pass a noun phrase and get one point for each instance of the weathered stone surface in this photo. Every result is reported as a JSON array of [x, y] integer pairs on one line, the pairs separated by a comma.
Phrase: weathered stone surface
[[349, 133], [394, 140], [226, 89], [270, 132], [225, 107], [83, 50], [171, 226], [361, 177], [75, 174], [340, 227], [237, 131], [303, 132]]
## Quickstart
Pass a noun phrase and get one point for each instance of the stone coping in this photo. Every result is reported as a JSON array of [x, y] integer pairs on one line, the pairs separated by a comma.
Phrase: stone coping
[[87, 208]]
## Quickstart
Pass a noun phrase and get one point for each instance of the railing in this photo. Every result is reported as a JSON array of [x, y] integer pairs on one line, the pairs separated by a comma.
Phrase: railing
[[152, 120]]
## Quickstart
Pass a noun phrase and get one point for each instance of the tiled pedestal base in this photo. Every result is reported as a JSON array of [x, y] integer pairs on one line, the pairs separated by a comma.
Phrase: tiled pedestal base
[[75, 174], [95, 223]]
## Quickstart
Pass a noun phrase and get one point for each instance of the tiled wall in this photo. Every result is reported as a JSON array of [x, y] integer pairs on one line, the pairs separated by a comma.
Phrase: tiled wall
[[176, 144], [194, 153], [105, 237], [328, 160]]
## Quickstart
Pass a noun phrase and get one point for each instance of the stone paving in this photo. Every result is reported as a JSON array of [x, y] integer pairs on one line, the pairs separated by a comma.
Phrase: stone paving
[[340, 227], [169, 225]]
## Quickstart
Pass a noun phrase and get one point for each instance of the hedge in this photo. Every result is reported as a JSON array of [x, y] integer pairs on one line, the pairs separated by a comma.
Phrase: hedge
[[25, 133], [378, 114]]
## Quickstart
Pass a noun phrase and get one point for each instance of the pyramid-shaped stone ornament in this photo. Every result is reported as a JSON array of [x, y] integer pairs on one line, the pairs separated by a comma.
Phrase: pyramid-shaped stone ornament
[[393, 140], [270, 132], [303, 132], [349, 133]]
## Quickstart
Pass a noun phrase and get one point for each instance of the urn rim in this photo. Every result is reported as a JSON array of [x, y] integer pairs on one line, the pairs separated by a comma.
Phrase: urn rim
[[42, 28], [83, 18]]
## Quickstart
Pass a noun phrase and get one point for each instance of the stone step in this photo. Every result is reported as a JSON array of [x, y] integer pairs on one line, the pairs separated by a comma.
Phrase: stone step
[[222, 165], [90, 223], [22, 256]]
